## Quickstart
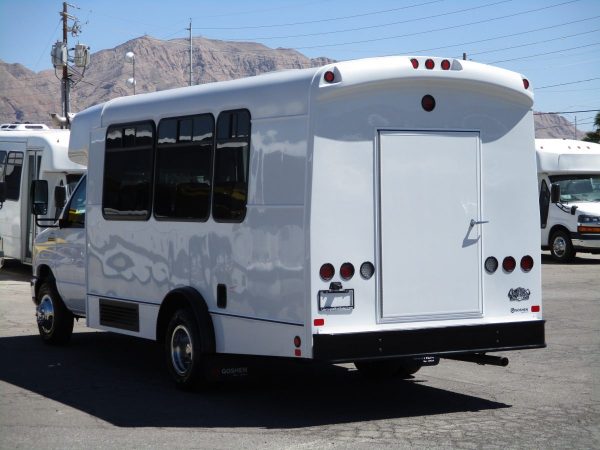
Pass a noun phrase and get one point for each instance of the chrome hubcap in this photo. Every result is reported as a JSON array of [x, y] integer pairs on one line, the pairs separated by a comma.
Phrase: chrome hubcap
[[45, 314], [559, 246], [182, 352]]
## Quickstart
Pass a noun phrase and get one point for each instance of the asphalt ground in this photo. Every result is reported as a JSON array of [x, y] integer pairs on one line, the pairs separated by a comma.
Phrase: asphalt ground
[[110, 391]]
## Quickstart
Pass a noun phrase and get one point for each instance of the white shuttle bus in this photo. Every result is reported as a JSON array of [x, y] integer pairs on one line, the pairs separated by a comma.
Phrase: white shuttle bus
[[375, 211], [29, 152], [569, 193]]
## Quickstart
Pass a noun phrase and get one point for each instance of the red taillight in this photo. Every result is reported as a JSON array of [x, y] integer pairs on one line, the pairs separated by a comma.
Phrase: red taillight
[[327, 272], [525, 83], [428, 103], [429, 64], [526, 263], [298, 352], [535, 308], [329, 76], [415, 63], [297, 341], [509, 264], [319, 322], [445, 64], [347, 271]]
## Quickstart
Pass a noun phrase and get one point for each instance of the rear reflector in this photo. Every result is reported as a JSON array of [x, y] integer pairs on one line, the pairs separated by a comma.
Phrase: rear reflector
[[297, 341], [347, 271], [298, 352], [327, 272], [535, 308], [526, 263], [509, 264], [319, 322]]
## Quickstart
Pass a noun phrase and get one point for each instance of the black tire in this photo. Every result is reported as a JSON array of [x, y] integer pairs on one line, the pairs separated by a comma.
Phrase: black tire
[[55, 321], [561, 247], [386, 368], [183, 351]]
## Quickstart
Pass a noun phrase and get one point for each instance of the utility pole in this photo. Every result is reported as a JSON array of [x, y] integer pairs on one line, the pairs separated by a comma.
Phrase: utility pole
[[575, 130], [190, 29], [65, 83]]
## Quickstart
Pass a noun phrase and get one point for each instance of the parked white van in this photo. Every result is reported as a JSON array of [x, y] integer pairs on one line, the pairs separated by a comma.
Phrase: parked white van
[[570, 218], [376, 211], [30, 152]]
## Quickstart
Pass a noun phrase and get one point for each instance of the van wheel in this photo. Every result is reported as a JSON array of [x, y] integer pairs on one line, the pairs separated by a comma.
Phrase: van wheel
[[183, 350], [55, 321], [561, 247]]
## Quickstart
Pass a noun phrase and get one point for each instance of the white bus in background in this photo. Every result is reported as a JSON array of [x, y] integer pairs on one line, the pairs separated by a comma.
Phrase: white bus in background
[[571, 220], [29, 152], [374, 211]]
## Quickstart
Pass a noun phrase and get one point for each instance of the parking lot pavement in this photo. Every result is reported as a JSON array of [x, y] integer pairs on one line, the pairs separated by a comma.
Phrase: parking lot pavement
[[110, 391]]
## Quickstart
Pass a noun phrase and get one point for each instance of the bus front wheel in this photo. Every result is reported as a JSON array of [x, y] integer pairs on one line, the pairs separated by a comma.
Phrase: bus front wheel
[[55, 321], [561, 246]]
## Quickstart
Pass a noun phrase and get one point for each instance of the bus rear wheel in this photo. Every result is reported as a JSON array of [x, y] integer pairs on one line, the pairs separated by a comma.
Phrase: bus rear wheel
[[182, 349]]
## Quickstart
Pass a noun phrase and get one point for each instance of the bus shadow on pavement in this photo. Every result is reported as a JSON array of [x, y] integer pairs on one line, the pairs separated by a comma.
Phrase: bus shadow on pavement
[[121, 380], [583, 259]]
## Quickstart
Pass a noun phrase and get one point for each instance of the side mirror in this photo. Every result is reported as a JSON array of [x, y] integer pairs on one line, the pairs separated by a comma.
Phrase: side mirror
[[2, 191], [60, 196], [39, 197], [555, 193]]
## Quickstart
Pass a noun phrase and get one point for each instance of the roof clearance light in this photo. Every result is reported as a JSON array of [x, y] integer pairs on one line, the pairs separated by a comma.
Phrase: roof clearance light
[[329, 76], [429, 64], [509, 264], [526, 263], [525, 83], [347, 271], [415, 63], [327, 272], [367, 270], [491, 264], [428, 103], [445, 64]]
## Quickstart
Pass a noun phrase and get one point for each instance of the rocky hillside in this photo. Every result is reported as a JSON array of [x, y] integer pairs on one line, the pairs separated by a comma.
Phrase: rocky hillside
[[27, 96]]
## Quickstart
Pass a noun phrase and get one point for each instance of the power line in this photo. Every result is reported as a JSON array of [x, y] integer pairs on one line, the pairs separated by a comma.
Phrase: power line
[[564, 84], [478, 22], [566, 112], [545, 53]]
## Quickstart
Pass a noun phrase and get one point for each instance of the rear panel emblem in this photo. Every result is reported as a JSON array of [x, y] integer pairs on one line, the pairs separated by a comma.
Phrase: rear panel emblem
[[518, 294]]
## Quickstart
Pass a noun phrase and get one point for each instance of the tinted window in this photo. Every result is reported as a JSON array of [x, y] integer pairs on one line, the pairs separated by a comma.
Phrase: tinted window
[[128, 167], [544, 203], [2, 163], [230, 191], [76, 208], [184, 168], [12, 175]]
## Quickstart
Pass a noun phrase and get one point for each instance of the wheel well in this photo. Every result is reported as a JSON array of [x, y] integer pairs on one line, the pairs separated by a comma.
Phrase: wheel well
[[44, 273], [554, 229], [191, 299]]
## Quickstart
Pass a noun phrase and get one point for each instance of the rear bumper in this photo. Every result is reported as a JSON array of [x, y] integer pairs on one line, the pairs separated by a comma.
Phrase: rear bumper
[[429, 341]]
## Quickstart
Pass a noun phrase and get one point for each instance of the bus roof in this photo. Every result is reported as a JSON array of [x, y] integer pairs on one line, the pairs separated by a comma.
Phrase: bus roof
[[564, 156]]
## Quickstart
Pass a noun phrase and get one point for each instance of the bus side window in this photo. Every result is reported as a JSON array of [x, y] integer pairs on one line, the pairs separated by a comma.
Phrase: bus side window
[[128, 167], [230, 191], [76, 208], [544, 203], [12, 175]]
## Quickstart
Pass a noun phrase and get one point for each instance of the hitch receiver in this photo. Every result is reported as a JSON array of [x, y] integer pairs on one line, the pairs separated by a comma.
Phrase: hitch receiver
[[480, 358]]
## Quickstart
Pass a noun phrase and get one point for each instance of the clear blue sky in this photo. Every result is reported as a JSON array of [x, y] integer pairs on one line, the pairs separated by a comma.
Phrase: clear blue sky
[[551, 42]]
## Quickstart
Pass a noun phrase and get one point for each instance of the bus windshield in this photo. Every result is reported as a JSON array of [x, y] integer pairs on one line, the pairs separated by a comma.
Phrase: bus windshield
[[578, 188]]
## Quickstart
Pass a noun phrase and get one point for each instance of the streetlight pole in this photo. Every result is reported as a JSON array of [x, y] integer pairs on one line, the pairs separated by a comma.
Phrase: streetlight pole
[[130, 57]]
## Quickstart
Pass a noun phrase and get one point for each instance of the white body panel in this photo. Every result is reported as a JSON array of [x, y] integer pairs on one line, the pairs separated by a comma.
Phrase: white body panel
[[569, 159], [324, 182], [44, 156]]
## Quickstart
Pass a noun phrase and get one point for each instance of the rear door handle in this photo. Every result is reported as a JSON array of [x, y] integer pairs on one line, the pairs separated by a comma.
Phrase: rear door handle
[[478, 222]]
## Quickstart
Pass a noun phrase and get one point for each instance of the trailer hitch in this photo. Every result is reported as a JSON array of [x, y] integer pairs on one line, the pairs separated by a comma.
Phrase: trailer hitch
[[480, 358]]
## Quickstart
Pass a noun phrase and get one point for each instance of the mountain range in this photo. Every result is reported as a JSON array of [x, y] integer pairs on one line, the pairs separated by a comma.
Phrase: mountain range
[[28, 96]]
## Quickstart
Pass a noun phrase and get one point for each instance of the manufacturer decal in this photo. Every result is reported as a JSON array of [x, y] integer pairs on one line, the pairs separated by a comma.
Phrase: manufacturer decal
[[519, 310], [518, 294]]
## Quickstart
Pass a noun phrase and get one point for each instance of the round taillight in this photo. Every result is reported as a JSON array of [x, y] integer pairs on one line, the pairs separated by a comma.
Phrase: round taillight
[[297, 341], [525, 83], [491, 264], [415, 63], [367, 270], [429, 64], [347, 271], [327, 272], [445, 64], [509, 264], [329, 76], [526, 263], [428, 103]]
